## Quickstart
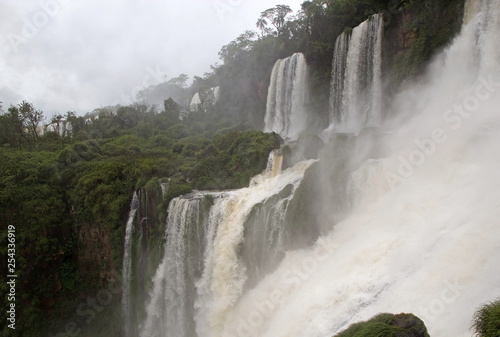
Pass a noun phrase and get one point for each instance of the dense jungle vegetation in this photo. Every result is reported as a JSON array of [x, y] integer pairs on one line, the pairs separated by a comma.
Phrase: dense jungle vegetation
[[52, 185]]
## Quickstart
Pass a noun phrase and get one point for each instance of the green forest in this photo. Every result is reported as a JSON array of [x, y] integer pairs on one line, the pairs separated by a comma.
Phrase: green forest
[[67, 190], [53, 186]]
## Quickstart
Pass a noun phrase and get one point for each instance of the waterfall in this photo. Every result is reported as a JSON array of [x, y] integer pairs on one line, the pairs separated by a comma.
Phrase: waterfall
[[127, 264], [356, 85], [171, 306], [273, 168], [208, 258], [422, 232], [164, 188], [205, 98], [287, 97], [274, 163], [339, 66], [422, 235], [195, 101]]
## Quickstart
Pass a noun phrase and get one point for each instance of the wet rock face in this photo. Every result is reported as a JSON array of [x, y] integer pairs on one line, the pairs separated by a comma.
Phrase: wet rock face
[[411, 325], [405, 37], [94, 253]]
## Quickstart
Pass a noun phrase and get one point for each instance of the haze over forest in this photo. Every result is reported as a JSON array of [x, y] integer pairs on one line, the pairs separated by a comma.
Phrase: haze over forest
[[64, 55]]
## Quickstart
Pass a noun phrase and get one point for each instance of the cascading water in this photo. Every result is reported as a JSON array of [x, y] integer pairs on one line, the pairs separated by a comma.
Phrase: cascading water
[[171, 307], [356, 84], [339, 66], [421, 236], [164, 188], [287, 97], [274, 163], [127, 263], [273, 168], [207, 260], [205, 98]]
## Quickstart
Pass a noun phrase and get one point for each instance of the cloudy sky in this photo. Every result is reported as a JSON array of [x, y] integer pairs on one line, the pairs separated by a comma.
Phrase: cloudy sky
[[83, 54]]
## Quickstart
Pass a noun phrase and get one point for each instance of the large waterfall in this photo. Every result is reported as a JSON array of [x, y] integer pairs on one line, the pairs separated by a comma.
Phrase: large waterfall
[[208, 258], [287, 97], [422, 235], [356, 84]]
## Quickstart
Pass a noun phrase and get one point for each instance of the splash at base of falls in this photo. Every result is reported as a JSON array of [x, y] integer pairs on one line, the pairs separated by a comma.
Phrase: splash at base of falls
[[421, 234], [208, 259]]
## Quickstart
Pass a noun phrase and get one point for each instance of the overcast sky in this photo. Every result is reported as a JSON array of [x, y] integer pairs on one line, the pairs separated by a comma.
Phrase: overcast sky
[[84, 54]]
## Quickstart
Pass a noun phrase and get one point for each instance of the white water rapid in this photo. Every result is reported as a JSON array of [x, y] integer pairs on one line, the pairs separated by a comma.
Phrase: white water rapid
[[287, 97], [422, 235], [202, 274], [356, 85], [127, 263]]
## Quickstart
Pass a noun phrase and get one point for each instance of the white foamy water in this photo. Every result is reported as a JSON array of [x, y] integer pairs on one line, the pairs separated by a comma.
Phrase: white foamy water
[[127, 263], [356, 84], [424, 232], [423, 235], [202, 276], [287, 96]]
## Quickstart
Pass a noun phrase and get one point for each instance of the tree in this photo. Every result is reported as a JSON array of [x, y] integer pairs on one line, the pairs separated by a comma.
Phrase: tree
[[156, 94], [276, 16], [180, 81], [5, 130], [172, 111], [4, 127], [313, 12], [242, 43], [31, 118], [74, 123], [262, 25], [15, 124], [57, 122]]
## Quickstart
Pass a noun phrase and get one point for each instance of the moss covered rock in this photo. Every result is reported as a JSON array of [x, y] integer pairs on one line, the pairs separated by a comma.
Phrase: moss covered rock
[[486, 321], [388, 325]]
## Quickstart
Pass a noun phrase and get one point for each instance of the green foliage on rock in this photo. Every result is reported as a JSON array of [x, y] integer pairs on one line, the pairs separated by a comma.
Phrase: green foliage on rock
[[416, 31], [413, 32], [387, 325], [69, 201], [486, 321], [234, 158]]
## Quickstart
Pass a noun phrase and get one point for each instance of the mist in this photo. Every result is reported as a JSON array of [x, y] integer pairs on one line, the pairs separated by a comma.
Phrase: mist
[[406, 214], [420, 235], [332, 168], [79, 56]]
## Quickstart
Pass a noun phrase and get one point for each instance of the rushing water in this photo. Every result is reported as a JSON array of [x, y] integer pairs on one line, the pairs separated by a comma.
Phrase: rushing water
[[127, 263], [422, 235], [287, 97], [356, 85], [204, 98], [203, 272]]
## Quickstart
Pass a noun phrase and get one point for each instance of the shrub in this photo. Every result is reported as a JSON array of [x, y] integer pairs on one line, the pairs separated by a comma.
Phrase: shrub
[[387, 325], [486, 321]]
